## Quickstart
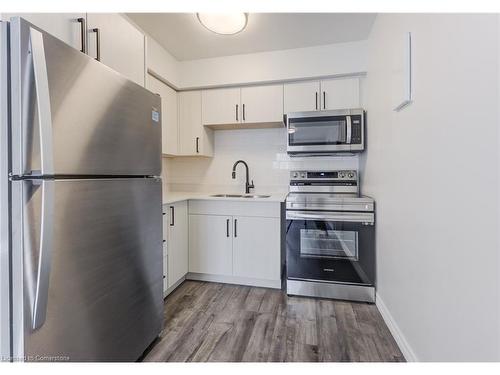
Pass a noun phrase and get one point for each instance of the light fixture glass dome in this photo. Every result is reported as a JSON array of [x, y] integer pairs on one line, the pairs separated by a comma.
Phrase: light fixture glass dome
[[223, 23]]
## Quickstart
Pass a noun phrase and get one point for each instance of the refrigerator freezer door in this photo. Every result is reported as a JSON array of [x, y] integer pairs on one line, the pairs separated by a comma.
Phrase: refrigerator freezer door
[[88, 263], [72, 115]]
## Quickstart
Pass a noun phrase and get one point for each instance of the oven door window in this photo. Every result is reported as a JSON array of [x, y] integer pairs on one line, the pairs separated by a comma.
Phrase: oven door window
[[317, 131], [317, 243]]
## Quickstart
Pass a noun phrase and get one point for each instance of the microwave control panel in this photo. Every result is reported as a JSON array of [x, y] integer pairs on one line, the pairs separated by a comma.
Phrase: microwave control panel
[[357, 128]]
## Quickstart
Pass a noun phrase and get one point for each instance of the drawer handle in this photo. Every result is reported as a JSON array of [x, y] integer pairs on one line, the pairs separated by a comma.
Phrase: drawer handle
[[235, 228], [227, 227]]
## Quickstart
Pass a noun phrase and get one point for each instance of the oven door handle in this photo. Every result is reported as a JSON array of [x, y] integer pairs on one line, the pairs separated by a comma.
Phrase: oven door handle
[[354, 217]]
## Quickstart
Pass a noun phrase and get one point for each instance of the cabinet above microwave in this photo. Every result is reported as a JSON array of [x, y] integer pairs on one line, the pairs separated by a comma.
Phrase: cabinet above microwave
[[326, 132]]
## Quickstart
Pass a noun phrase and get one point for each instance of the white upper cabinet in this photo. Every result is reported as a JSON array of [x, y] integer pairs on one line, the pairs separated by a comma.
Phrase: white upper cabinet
[[262, 104], [221, 106], [194, 138], [236, 108], [64, 26], [340, 93], [121, 45], [301, 96], [169, 123]]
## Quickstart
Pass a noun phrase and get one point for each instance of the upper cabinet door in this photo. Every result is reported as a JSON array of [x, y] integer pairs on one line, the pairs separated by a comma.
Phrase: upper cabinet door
[[169, 124], [64, 26], [221, 106], [340, 93], [262, 104], [302, 96], [189, 121], [121, 45]]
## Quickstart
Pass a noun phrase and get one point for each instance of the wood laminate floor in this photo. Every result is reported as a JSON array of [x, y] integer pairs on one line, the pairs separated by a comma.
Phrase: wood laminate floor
[[232, 323]]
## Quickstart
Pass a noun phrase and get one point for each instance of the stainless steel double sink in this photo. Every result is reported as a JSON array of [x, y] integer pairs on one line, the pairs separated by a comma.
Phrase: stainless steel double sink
[[240, 196]]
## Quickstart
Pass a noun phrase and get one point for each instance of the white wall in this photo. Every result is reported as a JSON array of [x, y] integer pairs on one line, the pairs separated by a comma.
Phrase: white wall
[[162, 63], [294, 64], [327, 60], [263, 149], [433, 171]]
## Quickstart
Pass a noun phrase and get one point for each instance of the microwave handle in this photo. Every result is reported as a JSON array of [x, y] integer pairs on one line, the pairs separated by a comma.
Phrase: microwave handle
[[349, 129]]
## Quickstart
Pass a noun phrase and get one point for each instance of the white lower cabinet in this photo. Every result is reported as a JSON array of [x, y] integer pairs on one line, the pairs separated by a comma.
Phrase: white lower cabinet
[[256, 244], [175, 232], [227, 244], [210, 244]]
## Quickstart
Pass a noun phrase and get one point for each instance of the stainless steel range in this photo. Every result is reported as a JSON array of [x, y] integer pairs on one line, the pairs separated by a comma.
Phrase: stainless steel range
[[330, 236]]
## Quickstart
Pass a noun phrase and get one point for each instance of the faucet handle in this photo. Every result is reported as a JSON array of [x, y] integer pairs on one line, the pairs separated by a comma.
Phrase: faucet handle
[[252, 185]]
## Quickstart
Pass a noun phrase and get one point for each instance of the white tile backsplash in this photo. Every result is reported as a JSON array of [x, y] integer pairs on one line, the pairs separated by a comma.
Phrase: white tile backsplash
[[264, 150]]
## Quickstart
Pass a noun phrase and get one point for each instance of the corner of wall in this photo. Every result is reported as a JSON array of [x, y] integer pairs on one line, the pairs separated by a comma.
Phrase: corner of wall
[[398, 335]]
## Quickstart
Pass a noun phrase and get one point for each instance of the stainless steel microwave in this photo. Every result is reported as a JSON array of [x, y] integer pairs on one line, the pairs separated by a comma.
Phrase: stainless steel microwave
[[319, 132]]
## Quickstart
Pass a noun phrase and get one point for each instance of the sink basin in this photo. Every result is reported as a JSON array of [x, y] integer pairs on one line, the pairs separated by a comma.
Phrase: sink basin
[[240, 196]]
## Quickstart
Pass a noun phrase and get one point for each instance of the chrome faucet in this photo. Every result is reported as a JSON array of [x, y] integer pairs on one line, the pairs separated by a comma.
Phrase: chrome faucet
[[248, 186]]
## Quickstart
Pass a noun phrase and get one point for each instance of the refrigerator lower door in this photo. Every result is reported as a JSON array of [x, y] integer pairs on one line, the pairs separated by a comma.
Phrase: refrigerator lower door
[[87, 268], [72, 115]]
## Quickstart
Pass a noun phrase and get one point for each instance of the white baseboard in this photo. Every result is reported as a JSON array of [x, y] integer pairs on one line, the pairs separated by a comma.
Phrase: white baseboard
[[275, 284], [403, 344]]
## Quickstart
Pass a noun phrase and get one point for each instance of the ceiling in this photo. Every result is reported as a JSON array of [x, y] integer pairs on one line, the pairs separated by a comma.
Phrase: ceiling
[[186, 39]]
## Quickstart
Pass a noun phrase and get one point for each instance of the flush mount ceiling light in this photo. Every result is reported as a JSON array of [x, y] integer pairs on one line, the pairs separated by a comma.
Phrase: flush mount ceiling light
[[223, 23]]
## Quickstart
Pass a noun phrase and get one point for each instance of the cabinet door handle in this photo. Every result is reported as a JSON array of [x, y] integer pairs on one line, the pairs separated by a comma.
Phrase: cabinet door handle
[[324, 99], [172, 216], [235, 228], [243, 112], [316, 101], [83, 34], [197, 145], [227, 227], [236, 112], [98, 42]]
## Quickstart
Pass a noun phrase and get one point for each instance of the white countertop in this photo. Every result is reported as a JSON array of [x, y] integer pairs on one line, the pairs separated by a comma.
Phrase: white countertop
[[177, 196]]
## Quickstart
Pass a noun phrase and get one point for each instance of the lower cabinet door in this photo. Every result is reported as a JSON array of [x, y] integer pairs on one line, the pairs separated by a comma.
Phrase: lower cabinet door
[[210, 244], [177, 242], [256, 247]]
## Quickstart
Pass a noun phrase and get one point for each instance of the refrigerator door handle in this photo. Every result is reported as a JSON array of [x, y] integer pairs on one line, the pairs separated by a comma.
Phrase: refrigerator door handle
[[43, 101], [44, 255]]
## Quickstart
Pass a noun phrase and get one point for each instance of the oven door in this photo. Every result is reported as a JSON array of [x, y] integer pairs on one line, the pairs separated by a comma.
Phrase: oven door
[[331, 246]]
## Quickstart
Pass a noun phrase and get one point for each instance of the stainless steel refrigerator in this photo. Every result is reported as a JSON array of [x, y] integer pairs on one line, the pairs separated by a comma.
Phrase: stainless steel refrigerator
[[81, 257]]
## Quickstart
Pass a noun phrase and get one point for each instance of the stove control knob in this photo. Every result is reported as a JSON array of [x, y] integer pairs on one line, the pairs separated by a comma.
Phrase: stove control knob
[[341, 174], [303, 175], [295, 175], [350, 175]]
